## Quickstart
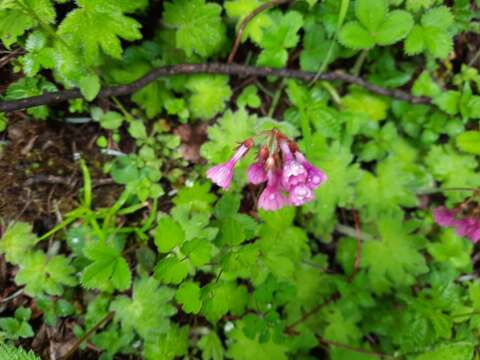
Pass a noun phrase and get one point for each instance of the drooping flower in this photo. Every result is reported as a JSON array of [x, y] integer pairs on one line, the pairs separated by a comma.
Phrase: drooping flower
[[256, 173], [315, 176], [293, 172], [444, 217], [300, 195], [222, 174], [467, 226], [272, 197]]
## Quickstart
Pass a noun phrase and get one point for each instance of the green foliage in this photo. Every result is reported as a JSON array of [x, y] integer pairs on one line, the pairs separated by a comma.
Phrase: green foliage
[[182, 269], [108, 270], [198, 26], [12, 353], [375, 25]]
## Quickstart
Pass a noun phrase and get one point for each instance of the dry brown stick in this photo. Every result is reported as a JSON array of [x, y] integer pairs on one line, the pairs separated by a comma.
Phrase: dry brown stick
[[209, 68], [247, 20]]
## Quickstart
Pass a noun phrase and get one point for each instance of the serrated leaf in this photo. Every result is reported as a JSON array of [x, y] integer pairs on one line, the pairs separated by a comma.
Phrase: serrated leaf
[[148, 310], [396, 27], [440, 17], [168, 234], [220, 298], [188, 295], [171, 270], [172, 345], [461, 350], [354, 36], [15, 19], [211, 347], [199, 27], [448, 101], [395, 260], [371, 13], [452, 249], [41, 275], [108, 270], [209, 94], [99, 26], [17, 242]]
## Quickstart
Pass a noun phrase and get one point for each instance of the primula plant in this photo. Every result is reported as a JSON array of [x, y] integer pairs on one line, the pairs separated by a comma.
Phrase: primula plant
[[290, 178], [239, 179]]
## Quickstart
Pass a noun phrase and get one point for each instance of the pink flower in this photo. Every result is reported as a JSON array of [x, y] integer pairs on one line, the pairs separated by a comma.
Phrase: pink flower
[[293, 172], [300, 195], [256, 173], [272, 197], [315, 176], [222, 174], [468, 227], [444, 217]]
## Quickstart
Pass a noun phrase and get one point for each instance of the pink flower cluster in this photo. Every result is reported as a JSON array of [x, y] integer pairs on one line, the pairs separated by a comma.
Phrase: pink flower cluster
[[290, 178], [467, 226]]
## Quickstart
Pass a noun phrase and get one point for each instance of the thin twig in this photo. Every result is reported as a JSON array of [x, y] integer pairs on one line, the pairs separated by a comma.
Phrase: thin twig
[[349, 231], [354, 349], [290, 329], [89, 333], [209, 68], [247, 20]]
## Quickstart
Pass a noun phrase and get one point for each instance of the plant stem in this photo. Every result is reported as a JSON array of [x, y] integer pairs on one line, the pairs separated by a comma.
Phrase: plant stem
[[89, 333], [306, 132], [276, 98], [359, 63]]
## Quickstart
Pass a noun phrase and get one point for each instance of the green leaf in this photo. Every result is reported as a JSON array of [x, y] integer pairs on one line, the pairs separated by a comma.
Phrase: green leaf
[[98, 25], [27, 87], [221, 297], [394, 260], [396, 27], [211, 347], [354, 36], [8, 352], [278, 37], [244, 348], [148, 311], [89, 86], [173, 345], [168, 234], [439, 17], [15, 19], [108, 270], [371, 13], [415, 43], [452, 249], [448, 101], [453, 170], [199, 27], [469, 141], [41, 275], [171, 270], [249, 97], [461, 350], [199, 251], [209, 94], [361, 102], [188, 295], [17, 241]]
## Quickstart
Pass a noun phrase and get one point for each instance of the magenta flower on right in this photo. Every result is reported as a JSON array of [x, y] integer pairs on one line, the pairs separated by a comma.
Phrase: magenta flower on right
[[465, 224]]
